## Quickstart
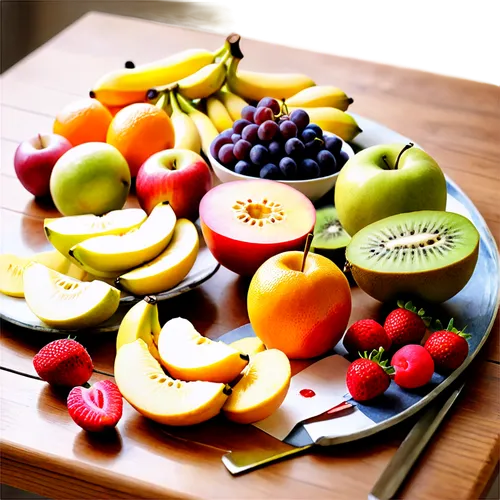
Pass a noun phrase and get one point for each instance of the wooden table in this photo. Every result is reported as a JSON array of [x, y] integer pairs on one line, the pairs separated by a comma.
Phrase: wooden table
[[45, 452]]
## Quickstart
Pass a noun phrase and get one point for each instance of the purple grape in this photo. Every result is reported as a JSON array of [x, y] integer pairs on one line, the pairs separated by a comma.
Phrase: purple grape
[[242, 149], [309, 169], [275, 150], [249, 133], [327, 162], [314, 147], [268, 130], [333, 144], [270, 102], [259, 155], [239, 125], [288, 129], [294, 147], [235, 138], [300, 118], [270, 171], [227, 133], [244, 168], [263, 114], [226, 154], [288, 168], [217, 143], [247, 113], [308, 135], [342, 158], [284, 118], [316, 128]]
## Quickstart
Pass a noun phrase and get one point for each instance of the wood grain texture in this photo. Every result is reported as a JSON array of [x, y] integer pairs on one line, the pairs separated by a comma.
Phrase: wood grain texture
[[454, 120]]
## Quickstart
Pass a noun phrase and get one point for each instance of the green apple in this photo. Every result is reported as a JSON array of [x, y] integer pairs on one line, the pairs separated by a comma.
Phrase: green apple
[[386, 180], [92, 178]]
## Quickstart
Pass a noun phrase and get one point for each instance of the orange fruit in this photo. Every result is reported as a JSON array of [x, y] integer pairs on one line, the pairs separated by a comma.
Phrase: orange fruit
[[86, 120], [304, 314], [140, 130]]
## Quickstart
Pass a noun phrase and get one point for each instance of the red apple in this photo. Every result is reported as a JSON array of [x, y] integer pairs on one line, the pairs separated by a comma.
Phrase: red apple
[[179, 176], [35, 158]]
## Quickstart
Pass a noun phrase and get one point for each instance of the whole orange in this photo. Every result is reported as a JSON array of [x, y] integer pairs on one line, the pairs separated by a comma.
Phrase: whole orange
[[85, 120], [139, 131], [302, 313]]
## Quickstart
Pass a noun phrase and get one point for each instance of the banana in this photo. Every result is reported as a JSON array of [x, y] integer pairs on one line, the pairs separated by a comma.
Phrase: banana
[[232, 102], [126, 86], [186, 133], [218, 113], [333, 120], [207, 130], [205, 82], [321, 96]]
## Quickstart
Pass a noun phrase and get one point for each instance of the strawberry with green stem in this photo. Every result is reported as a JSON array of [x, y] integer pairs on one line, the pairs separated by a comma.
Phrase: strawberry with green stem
[[406, 325]]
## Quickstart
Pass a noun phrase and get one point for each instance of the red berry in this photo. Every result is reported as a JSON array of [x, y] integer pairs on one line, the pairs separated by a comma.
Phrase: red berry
[[366, 335], [368, 377], [413, 365], [449, 348], [406, 325], [98, 408], [63, 362]]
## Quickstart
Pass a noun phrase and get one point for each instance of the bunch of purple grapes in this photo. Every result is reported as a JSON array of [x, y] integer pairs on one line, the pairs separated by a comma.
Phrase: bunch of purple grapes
[[268, 143]]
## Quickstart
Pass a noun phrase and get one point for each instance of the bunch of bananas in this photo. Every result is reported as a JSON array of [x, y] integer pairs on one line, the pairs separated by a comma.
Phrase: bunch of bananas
[[206, 92]]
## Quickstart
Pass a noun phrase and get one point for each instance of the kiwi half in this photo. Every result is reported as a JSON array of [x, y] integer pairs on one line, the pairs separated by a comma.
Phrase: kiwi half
[[330, 238], [427, 254]]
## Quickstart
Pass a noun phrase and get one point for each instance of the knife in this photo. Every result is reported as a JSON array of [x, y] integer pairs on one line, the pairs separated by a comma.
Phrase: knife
[[411, 448]]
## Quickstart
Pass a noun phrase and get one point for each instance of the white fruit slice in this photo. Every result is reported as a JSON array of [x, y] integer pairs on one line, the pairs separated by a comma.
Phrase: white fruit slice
[[65, 232], [113, 253], [249, 345], [145, 386], [12, 269], [66, 303], [169, 268], [187, 355]]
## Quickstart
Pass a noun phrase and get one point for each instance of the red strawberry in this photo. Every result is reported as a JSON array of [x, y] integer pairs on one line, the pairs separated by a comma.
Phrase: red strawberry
[[413, 365], [366, 335], [63, 362], [448, 348], [406, 325], [368, 376], [98, 408]]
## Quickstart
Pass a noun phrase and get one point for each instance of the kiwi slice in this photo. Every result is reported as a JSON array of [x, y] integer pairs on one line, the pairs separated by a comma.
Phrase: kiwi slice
[[428, 254], [330, 238]]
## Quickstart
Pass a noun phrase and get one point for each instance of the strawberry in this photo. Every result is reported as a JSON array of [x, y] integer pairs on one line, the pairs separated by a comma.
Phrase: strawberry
[[406, 325], [366, 335], [448, 347], [96, 409], [63, 362], [368, 376], [413, 366]]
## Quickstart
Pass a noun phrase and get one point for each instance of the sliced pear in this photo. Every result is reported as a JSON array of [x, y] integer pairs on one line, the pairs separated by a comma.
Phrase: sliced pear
[[118, 253], [12, 269], [65, 232], [249, 345], [187, 355], [66, 303], [169, 268], [141, 322], [262, 388], [145, 386]]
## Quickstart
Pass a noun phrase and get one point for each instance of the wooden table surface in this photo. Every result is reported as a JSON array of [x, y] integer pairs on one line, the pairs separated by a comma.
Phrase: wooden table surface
[[44, 451]]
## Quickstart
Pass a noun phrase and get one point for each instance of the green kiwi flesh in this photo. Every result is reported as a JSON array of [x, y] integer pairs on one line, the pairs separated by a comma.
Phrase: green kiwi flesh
[[330, 238], [427, 254]]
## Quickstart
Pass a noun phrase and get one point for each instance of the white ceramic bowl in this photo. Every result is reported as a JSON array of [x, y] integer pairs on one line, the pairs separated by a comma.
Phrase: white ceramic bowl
[[314, 189]]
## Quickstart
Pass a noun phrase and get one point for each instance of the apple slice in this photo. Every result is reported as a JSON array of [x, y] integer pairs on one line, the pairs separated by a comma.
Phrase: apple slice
[[262, 388], [249, 345], [66, 303], [12, 269], [187, 355], [169, 268], [117, 253], [65, 232], [152, 393]]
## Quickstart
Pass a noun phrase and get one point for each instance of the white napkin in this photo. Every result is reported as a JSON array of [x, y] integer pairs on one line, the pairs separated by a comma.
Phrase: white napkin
[[326, 378]]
